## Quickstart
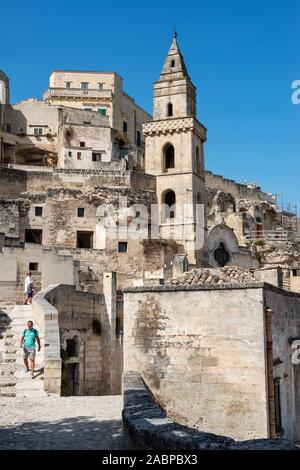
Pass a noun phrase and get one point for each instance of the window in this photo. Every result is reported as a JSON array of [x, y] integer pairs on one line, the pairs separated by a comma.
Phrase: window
[[72, 347], [8, 127], [78, 155], [84, 85], [70, 154], [221, 255], [172, 63], [170, 109], [38, 211], [102, 111], [33, 267], [125, 126], [100, 86], [169, 157], [68, 84], [169, 199], [33, 236], [88, 109], [138, 138], [80, 212], [122, 247], [277, 399], [82, 144], [96, 157], [38, 131], [84, 239], [87, 122]]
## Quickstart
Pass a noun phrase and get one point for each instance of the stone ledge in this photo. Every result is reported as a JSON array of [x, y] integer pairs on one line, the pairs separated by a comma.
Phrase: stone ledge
[[146, 427]]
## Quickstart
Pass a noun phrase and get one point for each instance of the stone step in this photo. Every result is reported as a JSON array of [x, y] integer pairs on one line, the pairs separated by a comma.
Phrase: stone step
[[9, 381], [7, 393]]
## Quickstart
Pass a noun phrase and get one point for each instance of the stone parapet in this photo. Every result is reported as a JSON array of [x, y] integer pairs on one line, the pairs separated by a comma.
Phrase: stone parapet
[[47, 317], [146, 427]]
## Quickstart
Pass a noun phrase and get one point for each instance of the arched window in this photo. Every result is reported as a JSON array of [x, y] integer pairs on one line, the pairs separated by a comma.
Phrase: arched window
[[169, 157], [221, 255], [169, 199], [169, 109]]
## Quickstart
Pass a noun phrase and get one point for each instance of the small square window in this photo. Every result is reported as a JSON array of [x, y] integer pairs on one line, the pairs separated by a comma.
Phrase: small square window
[[33, 266], [38, 131], [38, 211], [102, 111], [122, 247], [100, 86], [80, 212], [68, 84], [84, 85], [96, 157], [78, 155], [82, 144]]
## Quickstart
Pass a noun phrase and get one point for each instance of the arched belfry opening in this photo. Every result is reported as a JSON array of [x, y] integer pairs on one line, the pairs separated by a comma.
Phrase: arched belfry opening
[[221, 255], [169, 200], [168, 157], [169, 109]]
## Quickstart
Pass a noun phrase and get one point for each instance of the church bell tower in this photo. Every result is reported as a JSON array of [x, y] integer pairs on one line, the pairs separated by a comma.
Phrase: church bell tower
[[174, 153]]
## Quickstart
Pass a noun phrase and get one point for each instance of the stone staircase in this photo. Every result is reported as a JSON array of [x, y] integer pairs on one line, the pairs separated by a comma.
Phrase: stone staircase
[[14, 380]]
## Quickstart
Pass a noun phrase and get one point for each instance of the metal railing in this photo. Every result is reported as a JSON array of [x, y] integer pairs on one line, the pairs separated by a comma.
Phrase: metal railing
[[272, 235], [78, 92]]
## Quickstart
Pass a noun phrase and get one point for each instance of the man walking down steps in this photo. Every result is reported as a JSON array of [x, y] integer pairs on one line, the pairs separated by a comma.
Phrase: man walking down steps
[[28, 343]]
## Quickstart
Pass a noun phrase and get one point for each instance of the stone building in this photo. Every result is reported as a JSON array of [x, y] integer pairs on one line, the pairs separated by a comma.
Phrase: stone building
[[118, 220], [101, 92]]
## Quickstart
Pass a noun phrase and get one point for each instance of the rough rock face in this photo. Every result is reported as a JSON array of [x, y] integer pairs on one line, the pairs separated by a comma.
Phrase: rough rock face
[[227, 276]]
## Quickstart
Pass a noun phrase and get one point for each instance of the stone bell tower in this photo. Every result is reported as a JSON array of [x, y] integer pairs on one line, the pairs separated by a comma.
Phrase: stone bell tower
[[175, 155]]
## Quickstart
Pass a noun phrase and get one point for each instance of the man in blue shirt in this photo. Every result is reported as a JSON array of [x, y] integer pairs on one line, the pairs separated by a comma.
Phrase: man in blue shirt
[[28, 343]]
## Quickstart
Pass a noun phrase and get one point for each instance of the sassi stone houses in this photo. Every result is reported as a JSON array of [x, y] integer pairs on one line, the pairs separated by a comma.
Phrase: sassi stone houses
[[207, 310]]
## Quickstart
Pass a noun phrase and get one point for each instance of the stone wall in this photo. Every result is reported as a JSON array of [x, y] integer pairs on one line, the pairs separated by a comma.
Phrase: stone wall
[[202, 350], [46, 316], [202, 353], [285, 329], [84, 318]]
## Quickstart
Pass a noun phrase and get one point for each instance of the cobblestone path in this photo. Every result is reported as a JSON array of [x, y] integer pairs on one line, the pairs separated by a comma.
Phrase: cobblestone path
[[53, 422]]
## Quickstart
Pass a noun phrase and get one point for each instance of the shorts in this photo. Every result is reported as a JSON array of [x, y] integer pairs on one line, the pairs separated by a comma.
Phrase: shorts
[[29, 353]]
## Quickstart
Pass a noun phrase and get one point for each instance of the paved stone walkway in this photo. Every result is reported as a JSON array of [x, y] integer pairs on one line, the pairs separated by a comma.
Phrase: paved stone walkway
[[68, 423], [32, 419]]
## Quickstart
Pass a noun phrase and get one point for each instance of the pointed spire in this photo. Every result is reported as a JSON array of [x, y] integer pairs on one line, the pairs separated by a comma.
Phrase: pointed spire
[[174, 66]]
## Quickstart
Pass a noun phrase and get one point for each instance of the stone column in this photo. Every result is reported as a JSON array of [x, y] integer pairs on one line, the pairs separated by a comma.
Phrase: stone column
[[271, 392], [109, 333]]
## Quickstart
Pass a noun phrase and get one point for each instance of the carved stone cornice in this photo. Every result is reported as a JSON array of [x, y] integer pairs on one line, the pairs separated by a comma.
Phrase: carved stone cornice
[[175, 125]]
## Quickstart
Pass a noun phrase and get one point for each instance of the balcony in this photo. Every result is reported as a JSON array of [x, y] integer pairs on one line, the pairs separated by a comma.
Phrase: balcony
[[73, 93]]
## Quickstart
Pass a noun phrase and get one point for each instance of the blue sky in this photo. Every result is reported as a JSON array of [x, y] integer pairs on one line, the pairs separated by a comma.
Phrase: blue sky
[[241, 55]]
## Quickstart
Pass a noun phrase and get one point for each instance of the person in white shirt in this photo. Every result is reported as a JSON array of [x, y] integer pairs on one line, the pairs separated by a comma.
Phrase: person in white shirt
[[27, 283]]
